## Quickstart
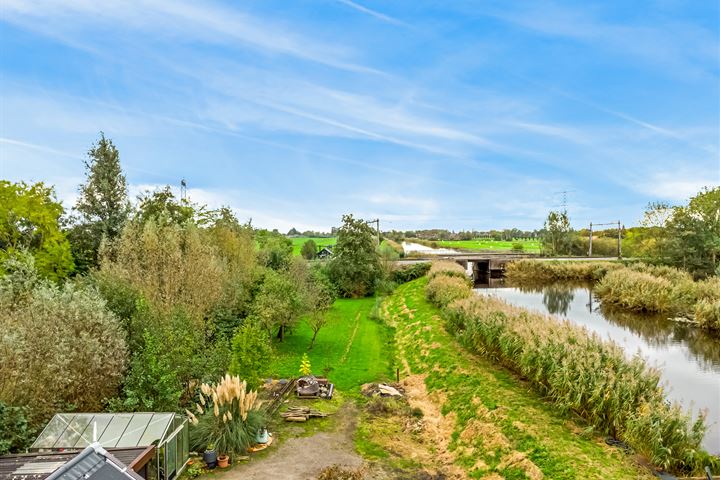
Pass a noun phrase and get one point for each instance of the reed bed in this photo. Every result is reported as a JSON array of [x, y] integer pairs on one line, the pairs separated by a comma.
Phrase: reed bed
[[582, 373], [447, 268], [535, 270], [444, 289], [636, 287]]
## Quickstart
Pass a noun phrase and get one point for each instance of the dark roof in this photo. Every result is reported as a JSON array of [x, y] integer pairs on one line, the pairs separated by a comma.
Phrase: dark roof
[[94, 460]]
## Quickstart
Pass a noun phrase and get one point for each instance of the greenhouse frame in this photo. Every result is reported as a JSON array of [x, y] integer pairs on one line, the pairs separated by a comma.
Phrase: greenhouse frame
[[168, 432]]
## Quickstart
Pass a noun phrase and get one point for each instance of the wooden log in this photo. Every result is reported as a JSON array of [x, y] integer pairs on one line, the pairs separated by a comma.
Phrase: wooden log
[[296, 419]]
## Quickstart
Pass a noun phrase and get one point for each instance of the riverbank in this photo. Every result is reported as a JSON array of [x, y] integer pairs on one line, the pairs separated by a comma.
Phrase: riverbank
[[496, 425]]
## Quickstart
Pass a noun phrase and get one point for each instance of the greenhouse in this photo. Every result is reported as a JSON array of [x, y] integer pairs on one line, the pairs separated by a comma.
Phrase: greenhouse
[[168, 432]]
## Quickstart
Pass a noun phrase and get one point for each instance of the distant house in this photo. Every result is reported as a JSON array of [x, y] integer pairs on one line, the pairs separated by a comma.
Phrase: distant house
[[325, 252]]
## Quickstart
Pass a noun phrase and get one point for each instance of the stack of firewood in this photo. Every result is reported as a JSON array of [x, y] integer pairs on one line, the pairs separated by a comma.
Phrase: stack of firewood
[[301, 414]]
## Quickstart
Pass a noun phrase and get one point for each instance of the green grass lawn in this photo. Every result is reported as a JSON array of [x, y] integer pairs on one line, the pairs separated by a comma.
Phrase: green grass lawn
[[503, 416], [530, 246], [298, 242], [351, 349]]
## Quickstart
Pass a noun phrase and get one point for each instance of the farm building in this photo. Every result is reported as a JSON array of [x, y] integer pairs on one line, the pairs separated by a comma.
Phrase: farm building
[[325, 252]]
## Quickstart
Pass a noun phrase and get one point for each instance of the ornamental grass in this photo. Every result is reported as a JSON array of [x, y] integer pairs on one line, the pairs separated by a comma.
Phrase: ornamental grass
[[582, 373], [228, 417]]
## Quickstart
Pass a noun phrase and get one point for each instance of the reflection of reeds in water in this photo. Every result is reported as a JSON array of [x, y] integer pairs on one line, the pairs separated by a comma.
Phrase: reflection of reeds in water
[[659, 331]]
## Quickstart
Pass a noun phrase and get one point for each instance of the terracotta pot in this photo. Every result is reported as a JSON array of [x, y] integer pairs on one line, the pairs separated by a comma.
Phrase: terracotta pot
[[223, 461]]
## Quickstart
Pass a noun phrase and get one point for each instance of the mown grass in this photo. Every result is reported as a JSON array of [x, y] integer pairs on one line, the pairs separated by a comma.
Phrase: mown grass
[[350, 350], [501, 425], [529, 246], [298, 242]]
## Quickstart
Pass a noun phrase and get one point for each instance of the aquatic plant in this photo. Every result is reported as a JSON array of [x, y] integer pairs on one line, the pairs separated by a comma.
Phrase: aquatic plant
[[444, 289], [447, 268], [582, 373]]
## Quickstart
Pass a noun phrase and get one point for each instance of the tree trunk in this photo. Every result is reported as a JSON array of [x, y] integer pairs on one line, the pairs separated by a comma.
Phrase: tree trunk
[[312, 342], [281, 333]]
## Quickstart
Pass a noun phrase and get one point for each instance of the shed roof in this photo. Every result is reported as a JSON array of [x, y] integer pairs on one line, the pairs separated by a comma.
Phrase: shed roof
[[111, 430], [40, 466]]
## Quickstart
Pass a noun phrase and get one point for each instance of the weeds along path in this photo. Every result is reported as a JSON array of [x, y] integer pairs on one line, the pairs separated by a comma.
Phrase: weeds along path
[[482, 421]]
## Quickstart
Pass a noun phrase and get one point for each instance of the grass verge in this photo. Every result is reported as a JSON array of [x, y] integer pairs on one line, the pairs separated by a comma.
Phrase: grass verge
[[495, 424]]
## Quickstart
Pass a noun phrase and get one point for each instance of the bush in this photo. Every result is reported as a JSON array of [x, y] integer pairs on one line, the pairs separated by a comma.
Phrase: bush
[[410, 273], [707, 314], [251, 353], [582, 373], [442, 290], [447, 268], [229, 417], [518, 247], [15, 433], [60, 347]]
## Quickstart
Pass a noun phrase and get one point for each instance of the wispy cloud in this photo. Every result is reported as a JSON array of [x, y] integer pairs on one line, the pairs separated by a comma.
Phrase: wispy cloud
[[372, 13]]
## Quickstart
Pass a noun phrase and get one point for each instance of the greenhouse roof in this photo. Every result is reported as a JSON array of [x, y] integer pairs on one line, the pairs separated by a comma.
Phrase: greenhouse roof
[[111, 430]]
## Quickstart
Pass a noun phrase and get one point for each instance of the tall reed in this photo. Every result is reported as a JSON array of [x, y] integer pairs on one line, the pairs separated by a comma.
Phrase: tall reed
[[536, 270], [444, 289], [583, 373], [448, 268]]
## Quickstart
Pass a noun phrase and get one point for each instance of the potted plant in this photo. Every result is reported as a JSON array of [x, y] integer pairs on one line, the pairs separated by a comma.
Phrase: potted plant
[[210, 456], [223, 461]]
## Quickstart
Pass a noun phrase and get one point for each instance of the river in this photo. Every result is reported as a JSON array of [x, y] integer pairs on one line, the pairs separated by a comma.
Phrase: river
[[687, 357]]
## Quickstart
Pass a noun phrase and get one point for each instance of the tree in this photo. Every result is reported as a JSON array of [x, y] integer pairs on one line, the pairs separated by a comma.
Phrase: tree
[[557, 238], [277, 304], [162, 205], [355, 267], [103, 203], [251, 353], [29, 220], [275, 250], [309, 249], [693, 234], [319, 297]]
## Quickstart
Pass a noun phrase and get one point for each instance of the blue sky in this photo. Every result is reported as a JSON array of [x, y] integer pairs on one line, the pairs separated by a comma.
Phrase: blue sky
[[460, 115]]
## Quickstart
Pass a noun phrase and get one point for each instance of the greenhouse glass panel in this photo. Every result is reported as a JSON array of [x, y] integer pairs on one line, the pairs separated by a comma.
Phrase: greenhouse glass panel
[[53, 430], [135, 430], [157, 428], [97, 426], [74, 430], [115, 430]]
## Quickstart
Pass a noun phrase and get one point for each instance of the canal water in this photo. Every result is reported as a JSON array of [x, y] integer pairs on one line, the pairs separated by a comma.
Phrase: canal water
[[687, 357]]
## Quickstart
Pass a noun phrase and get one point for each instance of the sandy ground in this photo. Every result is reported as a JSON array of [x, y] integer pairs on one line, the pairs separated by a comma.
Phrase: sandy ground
[[303, 458]]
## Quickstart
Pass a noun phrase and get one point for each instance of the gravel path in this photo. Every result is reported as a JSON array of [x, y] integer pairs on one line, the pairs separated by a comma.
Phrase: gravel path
[[303, 458]]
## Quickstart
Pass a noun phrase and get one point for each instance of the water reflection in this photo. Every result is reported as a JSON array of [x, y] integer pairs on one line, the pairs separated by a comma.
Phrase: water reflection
[[688, 358]]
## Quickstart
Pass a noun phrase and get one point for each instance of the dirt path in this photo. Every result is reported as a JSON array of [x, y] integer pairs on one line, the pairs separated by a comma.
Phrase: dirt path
[[303, 458]]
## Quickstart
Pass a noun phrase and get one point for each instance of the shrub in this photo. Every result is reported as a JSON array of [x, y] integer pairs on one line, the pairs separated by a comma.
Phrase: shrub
[[518, 247], [229, 417], [447, 268], [338, 472], [15, 433], [442, 290], [251, 353], [60, 347], [582, 373], [409, 273]]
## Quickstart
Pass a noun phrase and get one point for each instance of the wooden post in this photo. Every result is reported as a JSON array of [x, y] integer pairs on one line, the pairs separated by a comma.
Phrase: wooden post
[[397, 374], [590, 248], [619, 241]]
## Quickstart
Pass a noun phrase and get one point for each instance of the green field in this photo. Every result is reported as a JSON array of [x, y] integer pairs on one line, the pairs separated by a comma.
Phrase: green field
[[351, 349], [530, 246], [298, 242]]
